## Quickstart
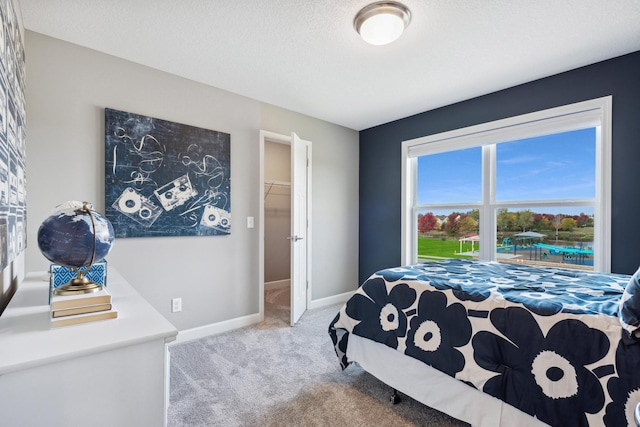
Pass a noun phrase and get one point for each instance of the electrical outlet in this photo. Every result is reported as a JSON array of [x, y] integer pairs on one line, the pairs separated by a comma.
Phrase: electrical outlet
[[176, 305], [249, 222]]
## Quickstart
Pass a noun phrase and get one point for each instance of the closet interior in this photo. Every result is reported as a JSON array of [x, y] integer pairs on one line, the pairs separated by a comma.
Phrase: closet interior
[[277, 224]]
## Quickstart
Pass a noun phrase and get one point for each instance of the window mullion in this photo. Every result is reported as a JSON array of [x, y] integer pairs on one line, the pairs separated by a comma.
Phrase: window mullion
[[487, 217]]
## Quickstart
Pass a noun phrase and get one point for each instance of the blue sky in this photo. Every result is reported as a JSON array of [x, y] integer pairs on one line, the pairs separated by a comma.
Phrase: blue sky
[[553, 167]]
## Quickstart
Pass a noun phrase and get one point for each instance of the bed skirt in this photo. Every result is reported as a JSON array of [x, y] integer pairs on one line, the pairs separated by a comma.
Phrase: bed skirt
[[434, 388]]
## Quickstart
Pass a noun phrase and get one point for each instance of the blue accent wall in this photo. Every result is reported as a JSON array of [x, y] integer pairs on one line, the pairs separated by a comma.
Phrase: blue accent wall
[[380, 154]]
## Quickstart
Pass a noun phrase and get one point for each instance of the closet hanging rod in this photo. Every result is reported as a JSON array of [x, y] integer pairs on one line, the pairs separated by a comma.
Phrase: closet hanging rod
[[271, 184], [278, 183]]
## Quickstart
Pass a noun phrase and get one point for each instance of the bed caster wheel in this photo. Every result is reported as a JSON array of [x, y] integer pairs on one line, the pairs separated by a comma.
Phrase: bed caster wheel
[[395, 399]]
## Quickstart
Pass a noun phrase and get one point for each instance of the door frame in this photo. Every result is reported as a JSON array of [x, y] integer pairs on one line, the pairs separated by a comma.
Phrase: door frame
[[282, 139]]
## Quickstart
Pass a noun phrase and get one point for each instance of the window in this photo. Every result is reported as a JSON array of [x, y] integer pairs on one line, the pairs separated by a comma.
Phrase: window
[[532, 188]]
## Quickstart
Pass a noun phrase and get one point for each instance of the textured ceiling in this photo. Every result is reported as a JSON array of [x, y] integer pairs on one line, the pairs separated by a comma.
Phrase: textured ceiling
[[304, 55]]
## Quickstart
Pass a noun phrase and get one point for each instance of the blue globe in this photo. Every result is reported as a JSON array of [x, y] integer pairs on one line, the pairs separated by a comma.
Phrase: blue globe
[[67, 236]]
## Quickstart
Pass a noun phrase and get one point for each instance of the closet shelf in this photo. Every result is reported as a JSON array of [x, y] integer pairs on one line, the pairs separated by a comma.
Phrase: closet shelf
[[271, 184]]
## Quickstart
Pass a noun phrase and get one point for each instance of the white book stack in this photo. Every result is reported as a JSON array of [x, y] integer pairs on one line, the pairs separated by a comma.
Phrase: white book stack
[[75, 309]]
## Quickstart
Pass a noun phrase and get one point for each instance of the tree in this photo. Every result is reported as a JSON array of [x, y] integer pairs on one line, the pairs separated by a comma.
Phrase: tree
[[569, 224], [501, 218], [541, 222], [557, 223], [525, 219], [452, 225], [427, 222], [589, 222], [506, 220], [467, 225], [583, 219]]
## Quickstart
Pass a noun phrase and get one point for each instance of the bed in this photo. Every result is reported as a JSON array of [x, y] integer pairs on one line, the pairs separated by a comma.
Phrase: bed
[[500, 344]]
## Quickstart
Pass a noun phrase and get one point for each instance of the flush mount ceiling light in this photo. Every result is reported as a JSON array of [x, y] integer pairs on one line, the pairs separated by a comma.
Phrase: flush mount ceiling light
[[382, 22]]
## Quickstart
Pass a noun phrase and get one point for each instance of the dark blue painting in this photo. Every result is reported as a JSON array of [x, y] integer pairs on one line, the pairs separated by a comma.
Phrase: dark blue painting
[[164, 178]]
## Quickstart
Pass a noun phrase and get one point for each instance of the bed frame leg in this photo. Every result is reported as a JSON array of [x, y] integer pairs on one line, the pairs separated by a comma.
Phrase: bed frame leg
[[395, 398]]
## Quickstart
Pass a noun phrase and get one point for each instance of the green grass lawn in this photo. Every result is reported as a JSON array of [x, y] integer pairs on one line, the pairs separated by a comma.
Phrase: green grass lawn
[[436, 248]]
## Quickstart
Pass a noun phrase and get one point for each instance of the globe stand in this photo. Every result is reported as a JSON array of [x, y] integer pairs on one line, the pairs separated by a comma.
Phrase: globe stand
[[79, 285]]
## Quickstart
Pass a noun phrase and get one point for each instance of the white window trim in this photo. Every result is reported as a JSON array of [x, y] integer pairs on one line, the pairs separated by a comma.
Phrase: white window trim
[[594, 113]]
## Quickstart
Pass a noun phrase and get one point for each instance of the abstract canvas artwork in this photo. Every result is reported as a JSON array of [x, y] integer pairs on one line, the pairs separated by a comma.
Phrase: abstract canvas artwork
[[13, 208], [164, 178]]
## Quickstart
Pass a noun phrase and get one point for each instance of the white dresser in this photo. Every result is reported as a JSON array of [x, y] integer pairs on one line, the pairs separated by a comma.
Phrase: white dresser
[[105, 373]]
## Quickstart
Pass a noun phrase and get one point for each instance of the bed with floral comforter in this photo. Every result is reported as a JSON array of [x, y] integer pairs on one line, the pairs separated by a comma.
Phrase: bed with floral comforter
[[555, 343]]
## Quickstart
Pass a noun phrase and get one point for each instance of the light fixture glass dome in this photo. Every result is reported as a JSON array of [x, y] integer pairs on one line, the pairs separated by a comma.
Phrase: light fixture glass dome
[[382, 22]]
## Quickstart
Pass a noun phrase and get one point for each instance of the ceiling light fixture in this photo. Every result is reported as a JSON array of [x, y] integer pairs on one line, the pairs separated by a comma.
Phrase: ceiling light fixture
[[382, 22]]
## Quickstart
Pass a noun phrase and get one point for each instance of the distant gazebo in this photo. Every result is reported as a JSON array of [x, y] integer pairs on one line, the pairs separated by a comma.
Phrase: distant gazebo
[[469, 238], [529, 235], [526, 237]]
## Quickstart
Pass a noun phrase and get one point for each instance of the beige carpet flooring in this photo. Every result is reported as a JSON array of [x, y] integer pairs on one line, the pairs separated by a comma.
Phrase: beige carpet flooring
[[275, 375]]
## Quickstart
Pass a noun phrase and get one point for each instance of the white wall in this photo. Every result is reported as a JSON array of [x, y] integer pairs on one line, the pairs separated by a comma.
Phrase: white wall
[[68, 88], [334, 198]]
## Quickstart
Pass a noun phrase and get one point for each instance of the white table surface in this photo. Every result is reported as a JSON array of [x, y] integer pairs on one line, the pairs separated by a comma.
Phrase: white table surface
[[27, 339]]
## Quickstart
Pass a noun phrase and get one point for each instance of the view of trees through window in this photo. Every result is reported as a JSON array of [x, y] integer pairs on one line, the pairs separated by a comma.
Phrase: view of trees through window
[[522, 236], [542, 200]]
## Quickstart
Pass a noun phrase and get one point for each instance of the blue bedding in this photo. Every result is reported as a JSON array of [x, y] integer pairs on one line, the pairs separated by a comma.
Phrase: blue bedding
[[548, 341]]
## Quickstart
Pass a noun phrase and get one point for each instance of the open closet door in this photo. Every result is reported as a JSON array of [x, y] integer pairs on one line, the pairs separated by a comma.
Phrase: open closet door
[[299, 241]]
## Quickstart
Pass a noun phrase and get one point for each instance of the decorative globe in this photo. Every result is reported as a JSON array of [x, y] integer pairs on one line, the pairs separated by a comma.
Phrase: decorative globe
[[68, 237]]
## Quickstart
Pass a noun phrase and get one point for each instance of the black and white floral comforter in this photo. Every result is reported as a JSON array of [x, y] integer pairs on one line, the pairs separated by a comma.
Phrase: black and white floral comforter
[[545, 340]]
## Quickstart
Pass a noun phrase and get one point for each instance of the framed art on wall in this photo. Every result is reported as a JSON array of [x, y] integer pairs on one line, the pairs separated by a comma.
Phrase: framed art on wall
[[164, 178], [13, 207]]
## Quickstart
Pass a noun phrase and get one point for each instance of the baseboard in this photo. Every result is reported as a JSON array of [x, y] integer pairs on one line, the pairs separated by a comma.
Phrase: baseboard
[[335, 299], [240, 322], [276, 284], [216, 328]]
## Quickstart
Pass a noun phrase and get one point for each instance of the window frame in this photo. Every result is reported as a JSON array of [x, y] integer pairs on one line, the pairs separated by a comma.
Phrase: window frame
[[592, 113]]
